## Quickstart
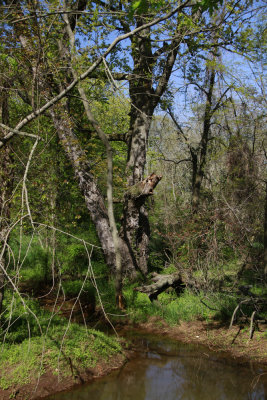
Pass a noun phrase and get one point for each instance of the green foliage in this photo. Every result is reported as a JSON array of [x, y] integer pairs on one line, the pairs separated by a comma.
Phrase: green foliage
[[106, 288], [19, 322], [186, 307], [86, 291], [143, 6], [259, 290], [64, 349], [210, 5], [84, 347], [138, 305], [170, 269], [73, 288], [21, 363], [156, 261], [34, 260], [157, 258], [74, 259]]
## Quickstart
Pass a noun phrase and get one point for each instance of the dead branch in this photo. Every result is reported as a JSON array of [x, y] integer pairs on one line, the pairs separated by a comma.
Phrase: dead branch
[[161, 283]]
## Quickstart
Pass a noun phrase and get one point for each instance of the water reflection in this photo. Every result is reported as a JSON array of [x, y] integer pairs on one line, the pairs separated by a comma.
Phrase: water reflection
[[174, 372]]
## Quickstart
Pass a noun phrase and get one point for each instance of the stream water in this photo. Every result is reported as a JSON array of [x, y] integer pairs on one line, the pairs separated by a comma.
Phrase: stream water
[[166, 370]]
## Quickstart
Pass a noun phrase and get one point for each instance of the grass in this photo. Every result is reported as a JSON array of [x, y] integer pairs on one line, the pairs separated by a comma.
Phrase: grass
[[63, 350], [31, 346], [187, 307]]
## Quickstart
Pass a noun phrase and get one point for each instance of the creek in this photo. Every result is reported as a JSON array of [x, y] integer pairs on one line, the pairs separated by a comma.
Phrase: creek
[[162, 369]]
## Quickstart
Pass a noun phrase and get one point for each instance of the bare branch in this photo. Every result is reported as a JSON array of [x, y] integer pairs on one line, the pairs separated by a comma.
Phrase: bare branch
[[16, 132], [175, 162]]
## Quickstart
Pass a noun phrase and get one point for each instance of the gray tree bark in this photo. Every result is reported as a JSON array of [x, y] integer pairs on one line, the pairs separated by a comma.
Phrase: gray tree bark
[[82, 171], [162, 283]]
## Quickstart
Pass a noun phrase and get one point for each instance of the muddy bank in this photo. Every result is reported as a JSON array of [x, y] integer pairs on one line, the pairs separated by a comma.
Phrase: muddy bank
[[234, 343]]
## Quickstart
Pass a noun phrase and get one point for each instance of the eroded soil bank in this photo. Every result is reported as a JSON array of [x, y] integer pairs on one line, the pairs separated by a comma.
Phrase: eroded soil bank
[[234, 343]]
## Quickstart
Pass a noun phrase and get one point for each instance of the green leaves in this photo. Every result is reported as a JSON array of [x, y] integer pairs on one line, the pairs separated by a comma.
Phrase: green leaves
[[139, 6], [143, 6], [210, 5]]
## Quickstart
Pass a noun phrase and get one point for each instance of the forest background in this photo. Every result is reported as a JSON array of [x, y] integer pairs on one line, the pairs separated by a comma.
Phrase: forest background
[[101, 103]]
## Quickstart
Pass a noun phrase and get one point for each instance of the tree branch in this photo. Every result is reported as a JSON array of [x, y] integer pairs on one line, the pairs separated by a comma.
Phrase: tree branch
[[92, 68], [16, 132]]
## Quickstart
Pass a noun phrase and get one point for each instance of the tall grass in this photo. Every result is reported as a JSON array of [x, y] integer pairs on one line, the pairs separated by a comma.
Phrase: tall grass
[[187, 307]]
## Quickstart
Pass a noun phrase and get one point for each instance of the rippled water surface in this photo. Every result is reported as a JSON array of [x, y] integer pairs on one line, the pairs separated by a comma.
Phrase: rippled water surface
[[164, 370]]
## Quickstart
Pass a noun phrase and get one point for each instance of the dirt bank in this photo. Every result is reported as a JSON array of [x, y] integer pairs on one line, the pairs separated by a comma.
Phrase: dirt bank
[[234, 342]]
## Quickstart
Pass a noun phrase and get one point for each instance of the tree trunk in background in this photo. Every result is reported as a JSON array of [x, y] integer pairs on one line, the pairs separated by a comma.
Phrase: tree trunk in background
[[198, 173], [6, 183], [265, 234]]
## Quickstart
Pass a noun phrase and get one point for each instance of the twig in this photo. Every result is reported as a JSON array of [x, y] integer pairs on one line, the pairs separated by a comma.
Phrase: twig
[[235, 311]]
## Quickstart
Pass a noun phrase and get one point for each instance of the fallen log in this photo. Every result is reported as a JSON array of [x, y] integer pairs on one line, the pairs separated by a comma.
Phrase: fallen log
[[161, 283]]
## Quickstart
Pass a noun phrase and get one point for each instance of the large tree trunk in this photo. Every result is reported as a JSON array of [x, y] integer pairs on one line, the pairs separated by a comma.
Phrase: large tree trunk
[[135, 224], [134, 200], [82, 170], [144, 100]]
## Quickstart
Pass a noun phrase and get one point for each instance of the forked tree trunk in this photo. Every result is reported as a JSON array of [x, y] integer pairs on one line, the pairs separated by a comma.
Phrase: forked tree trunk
[[134, 200], [144, 99], [135, 225]]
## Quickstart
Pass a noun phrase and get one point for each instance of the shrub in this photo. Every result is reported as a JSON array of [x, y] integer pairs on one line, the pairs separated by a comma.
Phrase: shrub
[[34, 262]]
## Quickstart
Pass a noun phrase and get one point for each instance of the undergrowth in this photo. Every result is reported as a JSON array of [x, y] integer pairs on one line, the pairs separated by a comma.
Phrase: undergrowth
[[187, 307], [64, 350], [34, 341]]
